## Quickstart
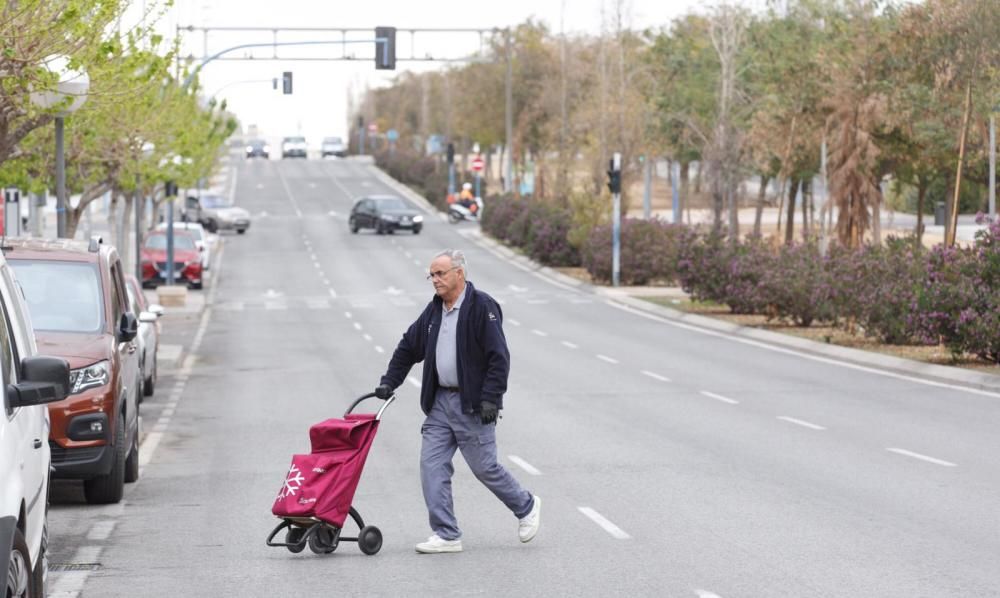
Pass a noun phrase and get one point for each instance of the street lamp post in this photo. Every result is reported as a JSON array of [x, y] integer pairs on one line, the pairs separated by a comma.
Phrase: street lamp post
[[72, 84]]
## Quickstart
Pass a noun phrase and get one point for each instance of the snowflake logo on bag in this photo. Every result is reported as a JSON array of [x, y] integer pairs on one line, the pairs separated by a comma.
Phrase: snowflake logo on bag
[[293, 482]]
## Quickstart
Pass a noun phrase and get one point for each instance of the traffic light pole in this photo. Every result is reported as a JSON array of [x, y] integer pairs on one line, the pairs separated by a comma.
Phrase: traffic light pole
[[615, 185]]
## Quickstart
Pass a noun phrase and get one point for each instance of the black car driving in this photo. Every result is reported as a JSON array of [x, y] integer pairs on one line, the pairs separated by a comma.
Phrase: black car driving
[[385, 214]]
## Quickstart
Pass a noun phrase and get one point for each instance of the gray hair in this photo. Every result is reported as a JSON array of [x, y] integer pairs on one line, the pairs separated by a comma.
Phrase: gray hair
[[457, 258]]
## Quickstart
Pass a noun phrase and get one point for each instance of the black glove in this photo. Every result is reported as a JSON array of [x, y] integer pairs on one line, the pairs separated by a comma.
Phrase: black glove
[[488, 413], [383, 391]]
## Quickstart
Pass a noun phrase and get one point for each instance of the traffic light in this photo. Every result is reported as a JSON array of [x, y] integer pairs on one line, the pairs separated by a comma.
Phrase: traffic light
[[614, 179], [451, 153], [385, 48], [286, 83], [170, 189]]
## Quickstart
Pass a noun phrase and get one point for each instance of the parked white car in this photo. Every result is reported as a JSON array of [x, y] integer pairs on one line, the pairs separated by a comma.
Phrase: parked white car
[[149, 333], [201, 239], [31, 381]]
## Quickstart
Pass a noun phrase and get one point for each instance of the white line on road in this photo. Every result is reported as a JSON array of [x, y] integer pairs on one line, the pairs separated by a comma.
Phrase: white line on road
[[570, 345], [348, 315], [615, 531], [776, 349], [523, 465], [288, 190], [413, 381], [606, 358], [333, 293], [317, 265], [367, 337], [539, 332], [712, 395], [706, 594], [513, 322], [379, 349], [102, 530], [799, 422], [655, 376], [907, 453], [357, 326]]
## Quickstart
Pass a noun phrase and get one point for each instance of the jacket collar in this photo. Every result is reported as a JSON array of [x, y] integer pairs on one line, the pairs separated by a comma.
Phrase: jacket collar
[[470, 293]]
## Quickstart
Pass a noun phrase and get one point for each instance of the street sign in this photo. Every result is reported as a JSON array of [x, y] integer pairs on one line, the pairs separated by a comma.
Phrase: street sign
[[373, 127], [392, 135], [477, 164]]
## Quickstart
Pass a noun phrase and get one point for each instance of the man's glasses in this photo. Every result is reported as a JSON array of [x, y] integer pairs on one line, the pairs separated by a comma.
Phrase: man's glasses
[[440, 273]]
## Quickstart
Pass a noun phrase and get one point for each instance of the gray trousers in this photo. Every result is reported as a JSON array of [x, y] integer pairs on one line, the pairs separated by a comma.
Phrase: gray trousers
[[445, 430]]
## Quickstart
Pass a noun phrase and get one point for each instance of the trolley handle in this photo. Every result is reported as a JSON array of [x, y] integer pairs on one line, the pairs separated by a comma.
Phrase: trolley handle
[[370, 395]]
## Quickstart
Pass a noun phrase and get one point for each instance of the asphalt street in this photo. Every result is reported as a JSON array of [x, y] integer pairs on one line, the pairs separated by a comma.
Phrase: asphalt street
[[672, 460]]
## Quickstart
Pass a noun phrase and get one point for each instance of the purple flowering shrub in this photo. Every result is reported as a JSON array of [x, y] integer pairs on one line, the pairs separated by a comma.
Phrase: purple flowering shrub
[[744, 290], [798, 286], [498, 214], [703, 266], [649, 251], [548, 242], [877, 288], [959, 304]]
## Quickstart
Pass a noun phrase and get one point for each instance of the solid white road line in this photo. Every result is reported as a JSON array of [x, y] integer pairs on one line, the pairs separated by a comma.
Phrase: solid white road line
[[606, 358], [539, 332], [615, 531], [706, 594], [712, 395], [288, 190], [655, 376], [799, 422], [907, 453], [527, 467], [777, 349], [570, 345], [102, 530], [413, 381]]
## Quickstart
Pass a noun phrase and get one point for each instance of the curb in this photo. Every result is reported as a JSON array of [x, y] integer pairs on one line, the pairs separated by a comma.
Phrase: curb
[[898, 365]]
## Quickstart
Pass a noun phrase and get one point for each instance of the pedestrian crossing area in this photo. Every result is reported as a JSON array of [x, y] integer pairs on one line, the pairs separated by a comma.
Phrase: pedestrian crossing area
[[378, 301]]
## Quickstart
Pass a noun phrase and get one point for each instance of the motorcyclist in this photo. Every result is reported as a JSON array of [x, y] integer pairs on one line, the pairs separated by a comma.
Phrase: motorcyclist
[[466, 199]]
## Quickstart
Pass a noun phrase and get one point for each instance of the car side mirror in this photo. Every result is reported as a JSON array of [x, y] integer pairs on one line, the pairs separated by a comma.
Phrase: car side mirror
[[128, 327], [156, 309], [201, 249], [43, 380], [148, 317]]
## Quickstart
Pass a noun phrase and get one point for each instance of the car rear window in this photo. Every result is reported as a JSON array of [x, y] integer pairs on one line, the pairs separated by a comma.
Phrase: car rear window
[[160, 242], [62, 296], [213, 202]]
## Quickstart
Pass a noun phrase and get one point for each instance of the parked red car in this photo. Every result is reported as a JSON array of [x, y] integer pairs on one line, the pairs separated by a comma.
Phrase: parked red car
[[187, 259]]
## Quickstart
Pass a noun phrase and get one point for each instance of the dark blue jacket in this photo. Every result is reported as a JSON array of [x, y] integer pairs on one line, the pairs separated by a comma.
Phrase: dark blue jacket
[[483, 358]]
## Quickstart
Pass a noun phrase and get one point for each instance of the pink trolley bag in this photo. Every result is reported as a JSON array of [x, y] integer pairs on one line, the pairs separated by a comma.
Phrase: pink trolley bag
[[315, 498]]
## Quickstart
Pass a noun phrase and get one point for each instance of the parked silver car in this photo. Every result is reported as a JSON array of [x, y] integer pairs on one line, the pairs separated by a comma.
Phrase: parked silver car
[[149, 332]]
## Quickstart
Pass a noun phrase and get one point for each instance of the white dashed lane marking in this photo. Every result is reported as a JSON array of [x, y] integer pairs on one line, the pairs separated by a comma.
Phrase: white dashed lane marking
[[527, 467], [606, 358], [914, 455], [655, 376], [799, 422], [413, 381], [539, 332], [615, 531], [712, 395], [570, 345]]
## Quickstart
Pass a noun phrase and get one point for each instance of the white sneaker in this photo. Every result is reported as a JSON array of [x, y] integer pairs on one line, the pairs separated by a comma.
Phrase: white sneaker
[[436, 544], [527, 526]]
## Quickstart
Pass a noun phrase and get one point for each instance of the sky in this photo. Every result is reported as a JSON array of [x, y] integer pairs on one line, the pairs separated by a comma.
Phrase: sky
[[318, 106]]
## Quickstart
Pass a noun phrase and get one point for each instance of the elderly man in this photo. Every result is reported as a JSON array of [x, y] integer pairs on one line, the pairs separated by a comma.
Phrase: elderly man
[[459, 337]]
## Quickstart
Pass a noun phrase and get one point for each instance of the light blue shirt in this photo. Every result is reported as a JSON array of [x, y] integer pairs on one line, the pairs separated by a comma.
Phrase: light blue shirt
[[446, 352]]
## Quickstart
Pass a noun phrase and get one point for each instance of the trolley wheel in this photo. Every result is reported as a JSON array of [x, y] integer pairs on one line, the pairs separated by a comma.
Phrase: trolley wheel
[[370, 539], [323, 540], [294, 536]]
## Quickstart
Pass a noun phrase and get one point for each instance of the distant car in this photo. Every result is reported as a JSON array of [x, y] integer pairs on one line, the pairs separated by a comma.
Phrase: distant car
[[333, 146], [79, 310], [30, 381], [196, 230], [258, 148], [293, 147], [187, 259], [149, 332], [215, 213], [385, 214]]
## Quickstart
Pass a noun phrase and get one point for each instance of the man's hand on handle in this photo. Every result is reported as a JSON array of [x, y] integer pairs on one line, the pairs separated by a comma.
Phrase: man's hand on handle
[[383, 391], [488, 412]]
